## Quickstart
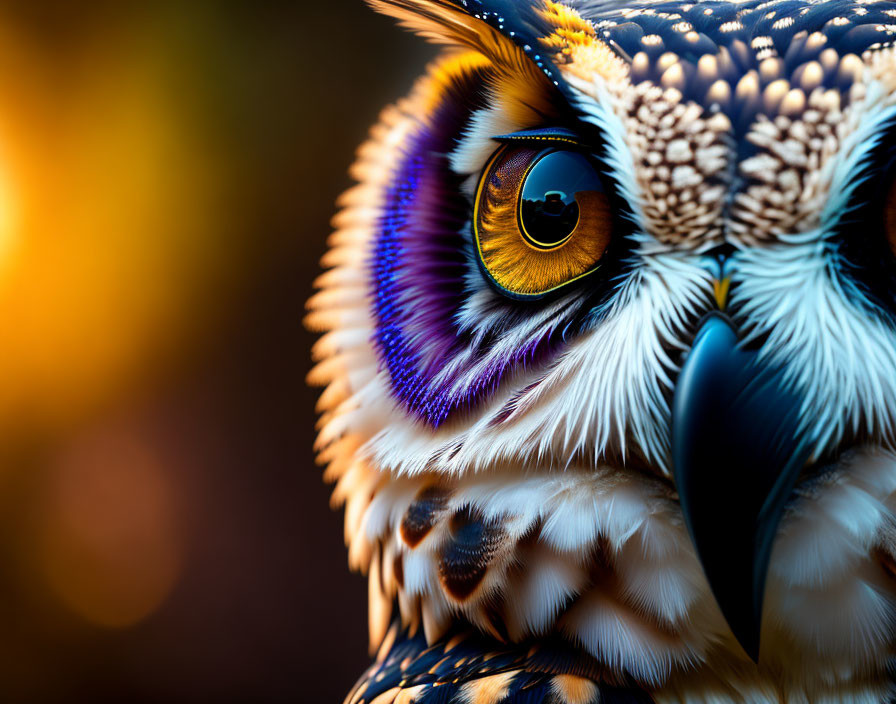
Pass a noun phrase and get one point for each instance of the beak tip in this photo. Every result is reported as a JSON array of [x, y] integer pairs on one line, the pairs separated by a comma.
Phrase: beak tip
[[736, 453], [749, 641]]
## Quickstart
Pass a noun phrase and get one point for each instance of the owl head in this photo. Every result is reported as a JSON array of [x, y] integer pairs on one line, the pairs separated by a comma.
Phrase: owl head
[[610, 337]]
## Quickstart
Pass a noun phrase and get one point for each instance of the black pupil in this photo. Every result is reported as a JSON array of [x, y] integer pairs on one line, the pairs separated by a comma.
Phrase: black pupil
[[549, 212]]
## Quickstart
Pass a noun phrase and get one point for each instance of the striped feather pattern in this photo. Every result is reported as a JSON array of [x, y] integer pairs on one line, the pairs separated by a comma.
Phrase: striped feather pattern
[[467, 668]]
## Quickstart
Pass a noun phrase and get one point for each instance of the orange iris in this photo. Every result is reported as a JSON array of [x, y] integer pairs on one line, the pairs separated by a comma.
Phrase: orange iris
[[541, 219]]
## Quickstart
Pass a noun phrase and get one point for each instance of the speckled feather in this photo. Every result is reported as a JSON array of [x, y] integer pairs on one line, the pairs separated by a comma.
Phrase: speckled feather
[[467, 668], [504, 466]]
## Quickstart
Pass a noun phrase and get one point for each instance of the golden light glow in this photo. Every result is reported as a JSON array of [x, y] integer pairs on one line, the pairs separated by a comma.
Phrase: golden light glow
[[8, 220], [119, 235], [164, 192], [107, 218]]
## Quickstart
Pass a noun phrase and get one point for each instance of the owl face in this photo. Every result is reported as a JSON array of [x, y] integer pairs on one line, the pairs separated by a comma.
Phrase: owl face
[[611, 335]]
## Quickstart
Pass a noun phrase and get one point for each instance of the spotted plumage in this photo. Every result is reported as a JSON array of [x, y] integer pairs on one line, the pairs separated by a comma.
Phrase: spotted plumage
[[467, 668], [654, 447]]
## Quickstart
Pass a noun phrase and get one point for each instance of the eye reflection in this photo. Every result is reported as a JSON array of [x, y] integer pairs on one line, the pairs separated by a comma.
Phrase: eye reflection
[[555, 188], [541, 219]]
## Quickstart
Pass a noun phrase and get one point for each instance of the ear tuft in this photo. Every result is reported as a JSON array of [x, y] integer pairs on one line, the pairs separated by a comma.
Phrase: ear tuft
[[515, 80], [444, 22]]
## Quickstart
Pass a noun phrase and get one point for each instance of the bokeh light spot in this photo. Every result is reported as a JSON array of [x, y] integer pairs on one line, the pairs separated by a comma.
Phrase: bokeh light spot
[[8, 224], [110, 549]]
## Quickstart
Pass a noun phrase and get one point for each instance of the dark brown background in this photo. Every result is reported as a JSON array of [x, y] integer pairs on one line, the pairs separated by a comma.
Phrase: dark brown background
[[261, 606]]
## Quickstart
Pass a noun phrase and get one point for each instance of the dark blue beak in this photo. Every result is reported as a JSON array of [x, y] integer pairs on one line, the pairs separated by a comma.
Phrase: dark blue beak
[[737, 452]]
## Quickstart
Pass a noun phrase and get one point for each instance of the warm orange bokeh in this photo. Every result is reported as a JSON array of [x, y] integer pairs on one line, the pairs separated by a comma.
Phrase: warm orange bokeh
[[109, 544], [167, 174], [109, 227]]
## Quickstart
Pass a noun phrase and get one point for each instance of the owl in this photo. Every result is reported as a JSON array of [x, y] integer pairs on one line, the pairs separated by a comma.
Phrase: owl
[[609, 349]]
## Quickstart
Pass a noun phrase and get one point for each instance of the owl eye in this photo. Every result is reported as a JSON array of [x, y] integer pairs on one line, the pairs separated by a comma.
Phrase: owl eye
[[541, 219], [890, 216]]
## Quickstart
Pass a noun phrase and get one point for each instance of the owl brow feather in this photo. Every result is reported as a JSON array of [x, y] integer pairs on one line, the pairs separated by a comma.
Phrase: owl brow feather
[[505, 34]]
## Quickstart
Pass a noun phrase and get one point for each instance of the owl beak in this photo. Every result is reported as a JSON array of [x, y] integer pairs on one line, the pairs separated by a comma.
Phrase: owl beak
[[737, 451]]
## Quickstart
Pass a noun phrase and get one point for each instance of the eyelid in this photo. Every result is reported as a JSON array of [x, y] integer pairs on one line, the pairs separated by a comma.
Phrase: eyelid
[[556, 135]]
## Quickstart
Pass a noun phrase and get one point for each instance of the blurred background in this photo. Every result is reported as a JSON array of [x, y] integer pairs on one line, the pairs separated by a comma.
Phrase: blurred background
[[167, 174]]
